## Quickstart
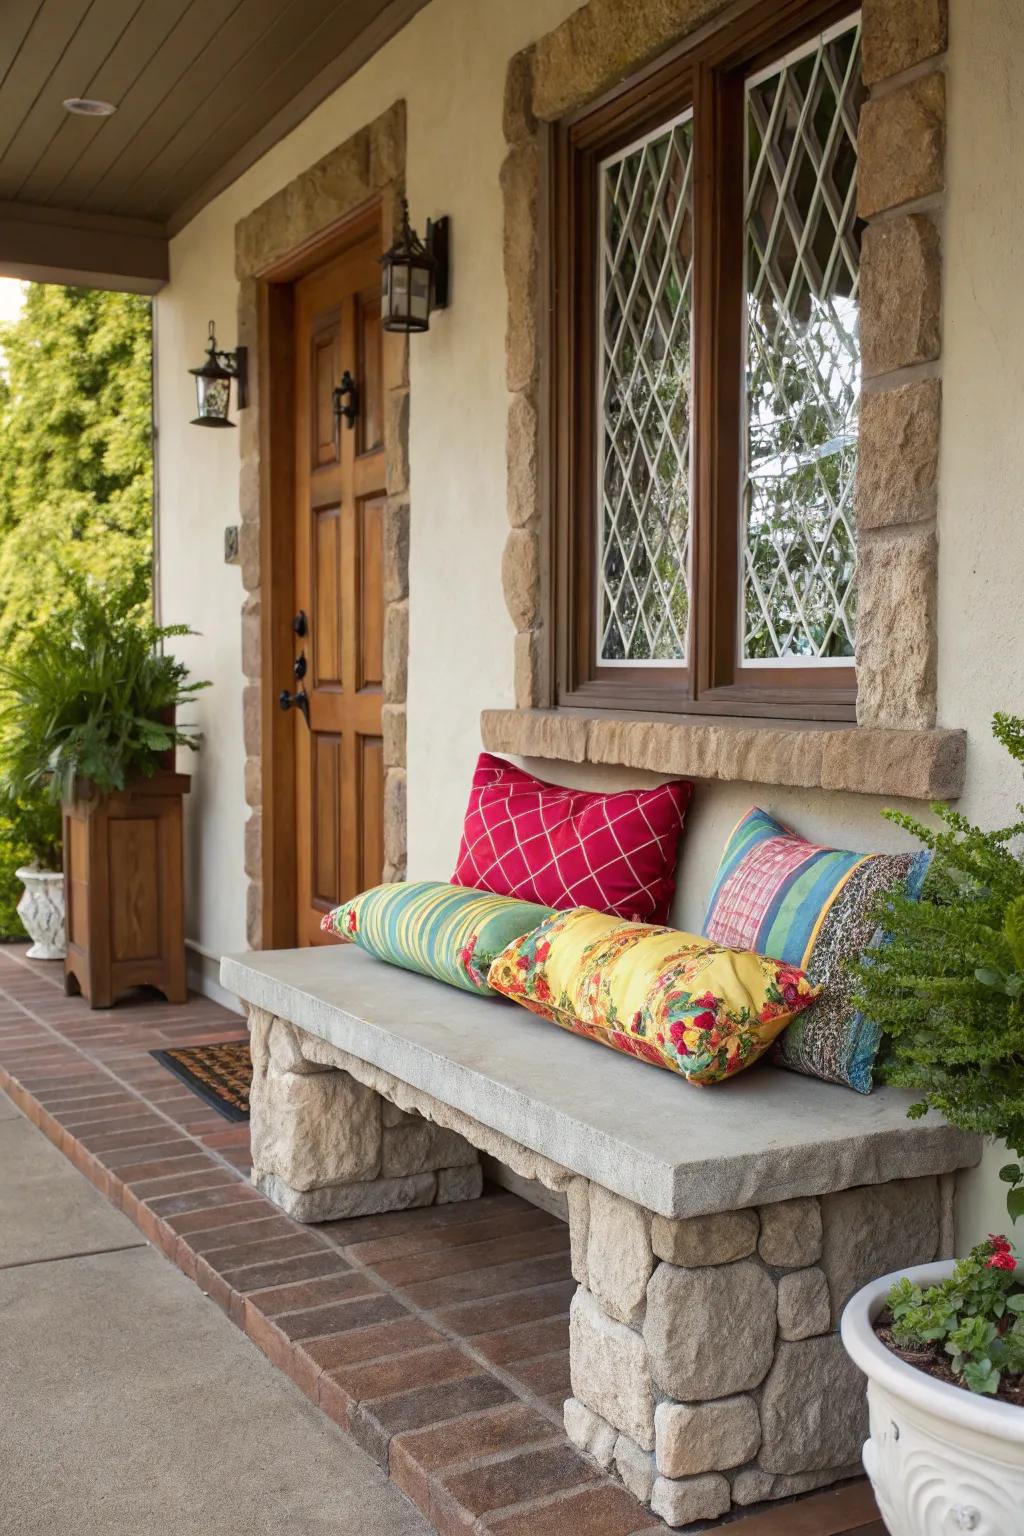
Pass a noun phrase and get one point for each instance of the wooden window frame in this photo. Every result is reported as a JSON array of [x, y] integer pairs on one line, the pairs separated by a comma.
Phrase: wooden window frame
[[707, 74]]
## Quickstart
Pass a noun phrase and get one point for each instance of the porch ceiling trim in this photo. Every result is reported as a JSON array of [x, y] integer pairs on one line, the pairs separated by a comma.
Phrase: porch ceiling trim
[[63, 245]]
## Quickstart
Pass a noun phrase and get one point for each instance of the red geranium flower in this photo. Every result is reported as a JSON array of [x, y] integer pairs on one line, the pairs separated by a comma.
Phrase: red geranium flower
[[999, 1243], [1002, 1259]]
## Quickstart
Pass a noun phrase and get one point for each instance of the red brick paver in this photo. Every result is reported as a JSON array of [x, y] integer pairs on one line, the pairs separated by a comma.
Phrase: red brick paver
[[437, 1338]]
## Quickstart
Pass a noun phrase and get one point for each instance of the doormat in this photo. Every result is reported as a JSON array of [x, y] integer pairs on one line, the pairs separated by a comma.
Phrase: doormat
[[221, 1074]]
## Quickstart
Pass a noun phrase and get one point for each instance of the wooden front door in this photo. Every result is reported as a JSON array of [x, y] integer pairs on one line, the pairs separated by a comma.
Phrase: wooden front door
[[339, 522]]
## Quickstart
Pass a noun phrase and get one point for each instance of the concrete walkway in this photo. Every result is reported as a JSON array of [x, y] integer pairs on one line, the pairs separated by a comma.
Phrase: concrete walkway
[[129, 1403]]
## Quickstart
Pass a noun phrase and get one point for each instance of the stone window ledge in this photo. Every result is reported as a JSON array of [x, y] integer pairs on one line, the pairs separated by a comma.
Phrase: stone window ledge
[[910, 765]]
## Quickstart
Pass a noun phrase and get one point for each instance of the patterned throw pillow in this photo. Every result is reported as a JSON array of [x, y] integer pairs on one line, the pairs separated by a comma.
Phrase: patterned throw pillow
[[669, 998], [434, 928], [808, 906], [571, 847]]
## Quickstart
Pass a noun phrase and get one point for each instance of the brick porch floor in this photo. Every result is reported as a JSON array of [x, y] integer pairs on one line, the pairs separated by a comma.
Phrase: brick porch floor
[[438, 1339]]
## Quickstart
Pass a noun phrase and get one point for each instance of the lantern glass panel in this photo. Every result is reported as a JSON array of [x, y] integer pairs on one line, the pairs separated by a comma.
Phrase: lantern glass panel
[[405, 297], [419, 294], [213, 397]]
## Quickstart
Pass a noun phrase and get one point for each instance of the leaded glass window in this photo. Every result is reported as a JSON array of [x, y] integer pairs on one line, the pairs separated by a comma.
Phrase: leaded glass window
[[703, 374], [802, 260], [645, 277]]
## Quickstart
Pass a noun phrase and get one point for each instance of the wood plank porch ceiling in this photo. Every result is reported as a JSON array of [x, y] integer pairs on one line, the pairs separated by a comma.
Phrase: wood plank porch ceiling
[[202, 89]]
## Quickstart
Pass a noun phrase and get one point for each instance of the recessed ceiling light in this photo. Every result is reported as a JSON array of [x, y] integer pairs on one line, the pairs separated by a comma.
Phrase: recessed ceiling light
[[86, 106]]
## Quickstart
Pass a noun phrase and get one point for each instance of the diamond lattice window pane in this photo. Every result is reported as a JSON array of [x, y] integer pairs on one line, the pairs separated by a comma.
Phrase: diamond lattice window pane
[[803, 355], [646, 265]]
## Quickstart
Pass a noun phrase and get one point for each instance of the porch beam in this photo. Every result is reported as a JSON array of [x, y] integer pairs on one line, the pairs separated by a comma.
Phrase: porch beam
[[58, 245]]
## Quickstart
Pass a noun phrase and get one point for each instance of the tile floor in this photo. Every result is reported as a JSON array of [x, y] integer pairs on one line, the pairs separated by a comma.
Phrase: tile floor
[[437, 1339]]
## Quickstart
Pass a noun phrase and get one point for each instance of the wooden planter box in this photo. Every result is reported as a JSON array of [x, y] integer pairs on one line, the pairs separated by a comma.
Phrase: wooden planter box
[[124, 889]]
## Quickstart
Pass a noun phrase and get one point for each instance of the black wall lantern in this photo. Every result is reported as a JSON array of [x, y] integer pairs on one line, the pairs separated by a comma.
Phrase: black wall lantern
[[213, 384], [415, 276]]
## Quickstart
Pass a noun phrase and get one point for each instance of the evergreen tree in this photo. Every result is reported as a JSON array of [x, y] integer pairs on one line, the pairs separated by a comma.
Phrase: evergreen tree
[[76, 483]]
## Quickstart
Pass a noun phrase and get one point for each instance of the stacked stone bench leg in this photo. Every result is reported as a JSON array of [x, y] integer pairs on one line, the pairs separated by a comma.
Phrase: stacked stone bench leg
[[333, 1136], [325, 1145], [706, 1367]]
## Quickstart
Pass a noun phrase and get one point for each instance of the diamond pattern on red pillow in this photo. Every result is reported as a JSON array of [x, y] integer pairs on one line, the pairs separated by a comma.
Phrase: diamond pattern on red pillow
[[568, 848]]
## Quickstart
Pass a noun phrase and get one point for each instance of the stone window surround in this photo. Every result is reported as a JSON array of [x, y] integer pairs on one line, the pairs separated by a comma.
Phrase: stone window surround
[[895, 748], [368, 167]]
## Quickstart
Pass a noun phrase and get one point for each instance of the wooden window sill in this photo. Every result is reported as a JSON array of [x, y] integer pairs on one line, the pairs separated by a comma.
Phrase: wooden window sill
[[909, 765]]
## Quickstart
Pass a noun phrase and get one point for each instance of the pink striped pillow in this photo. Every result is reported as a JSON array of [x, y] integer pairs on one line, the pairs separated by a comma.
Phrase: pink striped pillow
[[570, 848]]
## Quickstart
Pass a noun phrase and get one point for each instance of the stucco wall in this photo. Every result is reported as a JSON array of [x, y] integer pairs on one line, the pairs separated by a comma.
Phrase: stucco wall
[[452, 78]]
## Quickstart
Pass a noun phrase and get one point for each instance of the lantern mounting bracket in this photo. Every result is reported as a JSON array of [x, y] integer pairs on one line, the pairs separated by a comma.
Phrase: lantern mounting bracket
[[437, 246]]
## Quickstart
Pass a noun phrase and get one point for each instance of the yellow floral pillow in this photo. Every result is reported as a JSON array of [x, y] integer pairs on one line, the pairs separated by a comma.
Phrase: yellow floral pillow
[[672, 999]]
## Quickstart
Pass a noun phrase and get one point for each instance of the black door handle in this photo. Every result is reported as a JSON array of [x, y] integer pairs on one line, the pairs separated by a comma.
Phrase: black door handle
[[297, 700], [349, 388]]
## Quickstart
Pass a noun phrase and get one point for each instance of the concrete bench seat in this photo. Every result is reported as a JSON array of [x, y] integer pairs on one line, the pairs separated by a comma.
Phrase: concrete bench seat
[[716, 1233], [643, 1133]]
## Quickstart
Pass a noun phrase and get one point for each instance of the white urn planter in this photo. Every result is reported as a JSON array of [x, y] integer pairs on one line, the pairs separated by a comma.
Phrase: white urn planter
[[41, 910], [941, 1460]]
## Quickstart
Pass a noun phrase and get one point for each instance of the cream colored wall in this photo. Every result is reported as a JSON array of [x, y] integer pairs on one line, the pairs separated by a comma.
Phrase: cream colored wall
[[449, 66], [981, 510]]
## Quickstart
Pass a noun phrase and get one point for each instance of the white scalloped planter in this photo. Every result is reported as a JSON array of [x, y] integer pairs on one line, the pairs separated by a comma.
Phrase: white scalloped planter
[[41, 910], [941, 1460]]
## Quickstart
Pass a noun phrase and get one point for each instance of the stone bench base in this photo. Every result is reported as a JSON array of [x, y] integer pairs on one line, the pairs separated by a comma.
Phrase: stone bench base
[[707, 1370], [326, 1145], [706, 1367]]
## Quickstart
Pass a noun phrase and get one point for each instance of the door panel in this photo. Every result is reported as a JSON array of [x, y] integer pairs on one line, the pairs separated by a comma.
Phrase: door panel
[[326, 373], [371, 424], [372, 828], [325, 607], [327, 807], [339, 510], [370, 652]]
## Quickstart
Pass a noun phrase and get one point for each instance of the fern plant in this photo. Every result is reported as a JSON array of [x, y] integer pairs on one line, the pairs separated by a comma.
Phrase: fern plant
[[92, 701], [947, 986]]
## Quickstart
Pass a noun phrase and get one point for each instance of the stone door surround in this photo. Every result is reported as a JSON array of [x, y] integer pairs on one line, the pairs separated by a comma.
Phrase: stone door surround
[[715, 1236], [367, 168], [901, 178]]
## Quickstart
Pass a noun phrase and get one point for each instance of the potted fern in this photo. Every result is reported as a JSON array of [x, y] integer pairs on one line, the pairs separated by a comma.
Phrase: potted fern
[[88, 729], [943, 1345]]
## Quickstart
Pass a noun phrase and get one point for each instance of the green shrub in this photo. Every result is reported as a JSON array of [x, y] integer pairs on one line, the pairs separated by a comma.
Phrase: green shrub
[[947, 986]]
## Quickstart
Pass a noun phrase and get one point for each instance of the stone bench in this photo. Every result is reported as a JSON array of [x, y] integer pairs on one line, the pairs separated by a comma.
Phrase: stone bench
[[716, 1233]]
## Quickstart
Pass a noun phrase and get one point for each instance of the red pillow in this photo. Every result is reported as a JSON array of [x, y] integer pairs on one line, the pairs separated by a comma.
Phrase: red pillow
[[572, 847]]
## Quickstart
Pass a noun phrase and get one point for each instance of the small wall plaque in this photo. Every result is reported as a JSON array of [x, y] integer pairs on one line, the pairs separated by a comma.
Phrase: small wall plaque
[[231, 546]]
